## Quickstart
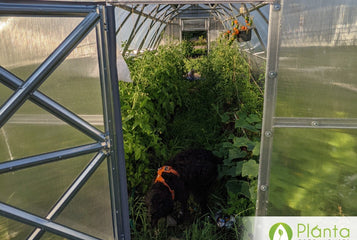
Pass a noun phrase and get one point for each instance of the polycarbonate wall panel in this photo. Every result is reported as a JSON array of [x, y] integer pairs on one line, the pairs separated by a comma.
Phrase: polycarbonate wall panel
[[25, 42], [37, 189], [12, 230], [127, 27], [318, 60], [54, 156], [317, 82], [79, 213], [153, 35], [314, 172], [28, 134], [309, 145], [74, 84]]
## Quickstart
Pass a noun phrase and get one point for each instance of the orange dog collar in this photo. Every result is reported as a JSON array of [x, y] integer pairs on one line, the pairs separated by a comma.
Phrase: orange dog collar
[[159, 178]]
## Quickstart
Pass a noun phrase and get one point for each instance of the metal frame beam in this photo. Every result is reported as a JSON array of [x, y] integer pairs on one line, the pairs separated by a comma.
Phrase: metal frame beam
[[249, 10], [53, 107], [132, 35], [22, 163], [133, 10], [126, 19], [186, 1], [33, 220], [149, 29], [260, 13], [47, 67], [270, 93], [46, 9], [77, 184], [112, 122], [332, 123], [109, 145]]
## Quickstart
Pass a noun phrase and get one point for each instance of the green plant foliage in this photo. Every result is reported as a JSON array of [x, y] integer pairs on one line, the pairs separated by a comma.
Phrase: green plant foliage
[[164, 113], [240, 166], [202, 229], [147, 105], [187, 48]]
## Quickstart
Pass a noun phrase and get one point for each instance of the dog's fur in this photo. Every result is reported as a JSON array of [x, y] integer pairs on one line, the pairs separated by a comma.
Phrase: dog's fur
[[197, 170]]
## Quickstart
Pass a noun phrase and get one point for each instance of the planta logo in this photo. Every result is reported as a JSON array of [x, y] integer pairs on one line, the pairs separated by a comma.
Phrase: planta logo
[[280, 231]]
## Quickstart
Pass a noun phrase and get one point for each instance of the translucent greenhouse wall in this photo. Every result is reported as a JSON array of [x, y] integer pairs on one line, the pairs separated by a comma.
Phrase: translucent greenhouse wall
[[62, 168], [309, 144]]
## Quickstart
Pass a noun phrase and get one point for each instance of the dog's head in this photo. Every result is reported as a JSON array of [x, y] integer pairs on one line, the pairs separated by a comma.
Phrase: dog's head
[[159, 202]]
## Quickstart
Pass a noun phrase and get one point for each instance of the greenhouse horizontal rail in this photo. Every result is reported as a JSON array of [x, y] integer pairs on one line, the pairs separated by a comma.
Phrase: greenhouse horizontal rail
[[186, 1], [30, 219], [46, 9], [255, 7], [293, 122], [129, 9], [70, 193], [47, 67], [50, 157], [53, 107]]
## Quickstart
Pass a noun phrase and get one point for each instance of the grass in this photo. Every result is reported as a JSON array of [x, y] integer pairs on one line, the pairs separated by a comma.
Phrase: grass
[[203, 227]]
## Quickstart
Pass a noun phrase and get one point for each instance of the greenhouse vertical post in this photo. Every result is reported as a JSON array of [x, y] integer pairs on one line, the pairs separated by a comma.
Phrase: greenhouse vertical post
[[113, 125], [269, 106]]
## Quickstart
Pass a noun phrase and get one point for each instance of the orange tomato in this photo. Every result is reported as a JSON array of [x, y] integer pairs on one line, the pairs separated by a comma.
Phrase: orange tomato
[[236, 22]]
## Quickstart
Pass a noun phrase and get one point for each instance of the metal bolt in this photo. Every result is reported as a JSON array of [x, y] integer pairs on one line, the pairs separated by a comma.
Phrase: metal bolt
[[268, 133], [263, 188], [314, 123], [277, 6], [273, 74]]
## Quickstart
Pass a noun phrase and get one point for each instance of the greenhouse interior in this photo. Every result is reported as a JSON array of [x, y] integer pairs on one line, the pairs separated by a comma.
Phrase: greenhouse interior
[[96, 96]]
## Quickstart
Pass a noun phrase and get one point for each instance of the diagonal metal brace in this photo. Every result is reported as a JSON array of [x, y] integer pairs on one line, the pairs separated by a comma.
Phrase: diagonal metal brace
[[47, 67], [70, 193], [53, 107], [22, 163], [28, 218]]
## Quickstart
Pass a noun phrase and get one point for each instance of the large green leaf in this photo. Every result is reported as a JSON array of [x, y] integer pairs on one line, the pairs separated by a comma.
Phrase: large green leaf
[[239, 168], [242, 141], [242, 123], [256, 149], [236, 153], [253, 118], [250, 169], [238, 187]]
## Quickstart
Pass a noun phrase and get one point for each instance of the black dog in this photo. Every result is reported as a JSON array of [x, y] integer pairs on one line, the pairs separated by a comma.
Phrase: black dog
[[191, 171]]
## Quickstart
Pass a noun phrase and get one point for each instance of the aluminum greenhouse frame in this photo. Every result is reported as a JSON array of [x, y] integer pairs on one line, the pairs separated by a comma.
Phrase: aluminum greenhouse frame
[[108, 144], [308, 104]]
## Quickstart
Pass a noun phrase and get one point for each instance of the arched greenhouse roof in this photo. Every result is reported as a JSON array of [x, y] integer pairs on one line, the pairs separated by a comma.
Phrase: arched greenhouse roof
[[144, 25]]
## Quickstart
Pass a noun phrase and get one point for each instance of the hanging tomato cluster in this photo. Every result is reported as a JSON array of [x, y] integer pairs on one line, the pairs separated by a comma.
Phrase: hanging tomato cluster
[[238, 29]]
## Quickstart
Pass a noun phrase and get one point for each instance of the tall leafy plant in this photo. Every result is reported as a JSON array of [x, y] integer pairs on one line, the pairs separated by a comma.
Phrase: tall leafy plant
[[240, 153], [147, 105], [240, 110]]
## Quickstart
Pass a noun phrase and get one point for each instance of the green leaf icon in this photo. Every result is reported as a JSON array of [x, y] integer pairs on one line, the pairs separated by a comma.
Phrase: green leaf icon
[[280, 231]]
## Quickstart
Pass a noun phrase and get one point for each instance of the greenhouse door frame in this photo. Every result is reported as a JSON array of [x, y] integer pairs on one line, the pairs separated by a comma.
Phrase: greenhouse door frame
[[270, 92], [107, 144]]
